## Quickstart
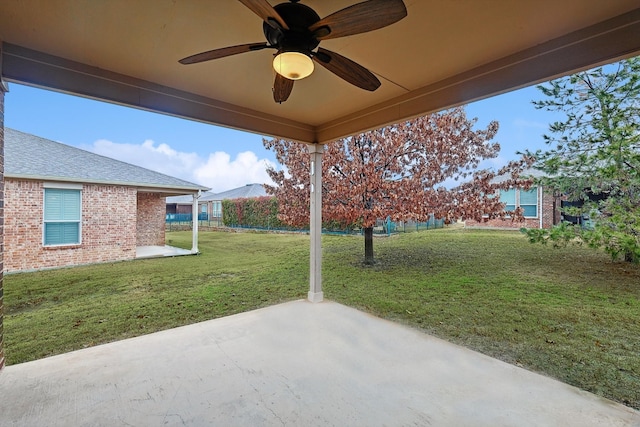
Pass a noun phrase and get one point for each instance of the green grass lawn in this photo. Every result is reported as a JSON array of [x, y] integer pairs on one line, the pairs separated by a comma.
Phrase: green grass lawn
[[568, 313]]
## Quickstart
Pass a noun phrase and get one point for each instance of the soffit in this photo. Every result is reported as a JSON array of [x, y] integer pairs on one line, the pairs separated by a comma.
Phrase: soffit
[[444, 53]]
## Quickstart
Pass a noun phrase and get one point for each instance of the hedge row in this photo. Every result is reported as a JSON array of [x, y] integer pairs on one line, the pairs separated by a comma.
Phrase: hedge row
[[260, 212]]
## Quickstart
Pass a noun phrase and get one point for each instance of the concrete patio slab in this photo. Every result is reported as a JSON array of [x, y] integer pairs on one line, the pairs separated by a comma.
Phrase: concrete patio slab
[[294, 364], [160, 251]]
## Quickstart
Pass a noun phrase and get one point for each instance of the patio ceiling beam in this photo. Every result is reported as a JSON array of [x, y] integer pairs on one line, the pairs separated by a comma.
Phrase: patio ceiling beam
[[34, 68], [605, 42]]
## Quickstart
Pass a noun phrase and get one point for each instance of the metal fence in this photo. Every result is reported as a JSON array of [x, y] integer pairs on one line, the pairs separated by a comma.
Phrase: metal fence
[[388, 227], [182, 221], [185, 217], [382, 227], [413, 226]]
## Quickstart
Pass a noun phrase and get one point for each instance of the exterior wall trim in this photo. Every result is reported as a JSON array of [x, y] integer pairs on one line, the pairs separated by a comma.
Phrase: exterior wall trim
[[62, 185]]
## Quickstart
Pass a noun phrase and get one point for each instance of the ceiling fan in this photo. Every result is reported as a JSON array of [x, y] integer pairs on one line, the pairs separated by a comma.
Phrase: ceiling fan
[[295, 30]]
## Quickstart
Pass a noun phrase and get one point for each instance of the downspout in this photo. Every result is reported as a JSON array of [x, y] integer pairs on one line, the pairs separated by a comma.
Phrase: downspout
[[194, 219], [540, 205]]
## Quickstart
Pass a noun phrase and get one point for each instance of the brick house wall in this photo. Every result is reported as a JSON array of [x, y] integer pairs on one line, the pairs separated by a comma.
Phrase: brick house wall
[[2, 90], [151, 219], [550, 216], [109, 224]]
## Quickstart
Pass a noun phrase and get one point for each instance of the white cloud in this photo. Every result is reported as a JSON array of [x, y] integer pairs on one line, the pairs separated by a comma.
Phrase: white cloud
[[219, 171]]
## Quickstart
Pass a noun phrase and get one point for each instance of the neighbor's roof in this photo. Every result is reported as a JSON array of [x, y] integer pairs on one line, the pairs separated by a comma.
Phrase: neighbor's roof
[[31, 157], [248, 191], [527, 173], [188, 199]]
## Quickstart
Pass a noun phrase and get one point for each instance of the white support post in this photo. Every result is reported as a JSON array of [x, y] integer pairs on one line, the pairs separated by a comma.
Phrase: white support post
[[315, 225], [540, 205], [194, 219]]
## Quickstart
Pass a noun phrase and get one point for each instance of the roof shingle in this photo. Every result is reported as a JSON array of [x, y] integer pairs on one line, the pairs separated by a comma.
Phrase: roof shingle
[[248, 191], [31, 157]]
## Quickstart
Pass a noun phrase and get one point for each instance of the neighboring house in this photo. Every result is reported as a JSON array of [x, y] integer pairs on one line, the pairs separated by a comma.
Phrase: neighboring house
[[65, 206], [249, 191], [585, 219], [210, 204], [183, 205], [541, 209]]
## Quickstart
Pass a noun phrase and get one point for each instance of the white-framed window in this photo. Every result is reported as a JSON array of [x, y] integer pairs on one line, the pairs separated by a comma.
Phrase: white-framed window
[[529, 202], [508, 197], [525, 199], [62, 215], [217, 209]]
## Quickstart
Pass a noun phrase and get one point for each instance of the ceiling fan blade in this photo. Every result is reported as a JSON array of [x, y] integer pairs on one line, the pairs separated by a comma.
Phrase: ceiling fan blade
[[221, 53], [359, 18], [282, 88], [347, 70], [264, 10]]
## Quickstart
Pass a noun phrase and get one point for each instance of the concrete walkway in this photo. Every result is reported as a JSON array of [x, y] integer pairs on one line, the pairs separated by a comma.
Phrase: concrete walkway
[[294, 364]]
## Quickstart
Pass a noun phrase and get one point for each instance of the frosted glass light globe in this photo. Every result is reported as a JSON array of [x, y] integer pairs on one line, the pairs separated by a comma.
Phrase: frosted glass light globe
[[293, 65]]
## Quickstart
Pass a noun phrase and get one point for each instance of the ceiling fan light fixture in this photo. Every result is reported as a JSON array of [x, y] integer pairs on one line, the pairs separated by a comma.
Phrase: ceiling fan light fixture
[[295, 30], [293, 65]]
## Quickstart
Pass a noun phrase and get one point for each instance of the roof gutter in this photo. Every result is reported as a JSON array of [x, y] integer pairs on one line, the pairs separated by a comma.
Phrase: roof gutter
[[139, 185]]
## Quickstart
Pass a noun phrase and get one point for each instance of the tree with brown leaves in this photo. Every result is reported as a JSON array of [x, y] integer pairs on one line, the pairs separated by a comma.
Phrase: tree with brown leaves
[[404, 171]]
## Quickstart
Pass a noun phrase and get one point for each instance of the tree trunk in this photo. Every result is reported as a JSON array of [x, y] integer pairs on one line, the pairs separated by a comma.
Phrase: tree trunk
[[629, 256], [368, 245]]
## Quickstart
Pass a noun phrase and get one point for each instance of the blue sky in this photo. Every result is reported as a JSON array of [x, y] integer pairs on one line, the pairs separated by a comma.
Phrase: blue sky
[[213, 156]]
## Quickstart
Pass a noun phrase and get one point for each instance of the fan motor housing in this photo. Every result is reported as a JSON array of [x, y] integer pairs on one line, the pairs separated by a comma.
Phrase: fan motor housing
[[298, 37]]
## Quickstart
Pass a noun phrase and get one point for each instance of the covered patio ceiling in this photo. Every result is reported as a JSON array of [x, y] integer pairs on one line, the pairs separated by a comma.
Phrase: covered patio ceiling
[[444, 53]]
